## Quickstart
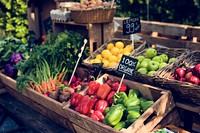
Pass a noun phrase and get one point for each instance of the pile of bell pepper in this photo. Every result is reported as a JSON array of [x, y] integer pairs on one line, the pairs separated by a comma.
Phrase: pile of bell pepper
[[103, 103]]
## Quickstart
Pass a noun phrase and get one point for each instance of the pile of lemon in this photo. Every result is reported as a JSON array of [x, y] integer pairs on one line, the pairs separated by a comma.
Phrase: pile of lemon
[[112, 54]]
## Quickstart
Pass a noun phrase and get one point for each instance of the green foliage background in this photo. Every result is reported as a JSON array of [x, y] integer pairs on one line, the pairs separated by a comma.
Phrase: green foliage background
[[173, 11], [15, 21]]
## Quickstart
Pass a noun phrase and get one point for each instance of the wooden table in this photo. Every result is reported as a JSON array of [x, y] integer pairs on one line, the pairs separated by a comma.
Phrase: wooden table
[[28, 118]]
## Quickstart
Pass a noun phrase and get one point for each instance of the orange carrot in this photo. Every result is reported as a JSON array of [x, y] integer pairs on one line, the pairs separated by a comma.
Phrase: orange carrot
[[51, 83], [38, 88], [31, 84], [43, 85], [60, 76]]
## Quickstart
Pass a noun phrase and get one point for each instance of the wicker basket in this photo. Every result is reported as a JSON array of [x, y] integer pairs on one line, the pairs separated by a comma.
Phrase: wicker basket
[[171, 52], [180, 90], [93, 16], [138, 46]]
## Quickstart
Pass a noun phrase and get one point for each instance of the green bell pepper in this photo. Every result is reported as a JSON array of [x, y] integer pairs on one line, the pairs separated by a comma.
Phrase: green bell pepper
[[106, 110], [120, 98], [114, 115], [132, 116], [120, 125], [133, 93], [133, 101], [143, 99], [136, 108], [146, 105]]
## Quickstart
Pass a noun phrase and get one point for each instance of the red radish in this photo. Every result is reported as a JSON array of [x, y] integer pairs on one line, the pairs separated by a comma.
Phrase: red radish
[[73, 79], [78, 79], [65, 82]]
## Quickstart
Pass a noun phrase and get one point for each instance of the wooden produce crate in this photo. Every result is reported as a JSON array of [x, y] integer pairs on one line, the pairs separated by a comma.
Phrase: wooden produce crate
[[41, 103], [139, 45], [180, 90], [171, 52], [144, 124]]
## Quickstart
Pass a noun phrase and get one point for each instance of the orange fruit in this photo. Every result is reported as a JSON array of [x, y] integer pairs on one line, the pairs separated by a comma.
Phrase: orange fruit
[[105, 63], [119, 45], [99, 56], [112, 58], [111, 64], [106, 53], [129, 48], [110, 46], [115, 51]]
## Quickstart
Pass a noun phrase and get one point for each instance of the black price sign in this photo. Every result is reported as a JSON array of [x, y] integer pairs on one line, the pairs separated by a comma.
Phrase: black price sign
[[131, 26], [97, 68], [127, 65]]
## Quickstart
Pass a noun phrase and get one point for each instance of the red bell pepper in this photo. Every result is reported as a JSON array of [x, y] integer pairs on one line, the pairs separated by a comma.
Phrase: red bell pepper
[[110, 97], [101, 105], [93, 87], [75, 99], [97, 115], [122, 88], [112, 82], [86, 104], [103, 91]]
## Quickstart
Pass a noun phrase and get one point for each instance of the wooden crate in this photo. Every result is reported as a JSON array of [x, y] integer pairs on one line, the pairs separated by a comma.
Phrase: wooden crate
[[166, 34], [2, 89], [163, 105], [41, 103]]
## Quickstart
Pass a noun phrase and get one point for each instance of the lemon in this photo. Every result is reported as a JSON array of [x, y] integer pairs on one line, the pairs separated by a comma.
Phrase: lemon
[[99, 57], [106, 53], [119, 56], [96, 61], [121, 51], [129, 47], [110, 46], [112, 58], [111, 64], [115, 51], [105, 63], [91, 61], [127, 53], [119, 45]]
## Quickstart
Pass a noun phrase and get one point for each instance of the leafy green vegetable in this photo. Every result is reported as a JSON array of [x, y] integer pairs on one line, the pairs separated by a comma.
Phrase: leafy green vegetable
[[60, 53], [10, 45]]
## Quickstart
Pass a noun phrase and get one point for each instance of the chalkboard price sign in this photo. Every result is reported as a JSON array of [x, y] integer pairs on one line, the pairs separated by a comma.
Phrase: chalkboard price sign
[[127, 65], [131, 26]]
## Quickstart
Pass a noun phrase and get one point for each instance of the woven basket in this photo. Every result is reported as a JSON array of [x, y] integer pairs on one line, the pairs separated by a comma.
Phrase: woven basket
[[93, 16], [171, 52], [180, 90], [138, 45]]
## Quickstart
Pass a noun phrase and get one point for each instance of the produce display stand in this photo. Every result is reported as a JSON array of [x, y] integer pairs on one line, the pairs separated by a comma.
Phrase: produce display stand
[[163, 112]]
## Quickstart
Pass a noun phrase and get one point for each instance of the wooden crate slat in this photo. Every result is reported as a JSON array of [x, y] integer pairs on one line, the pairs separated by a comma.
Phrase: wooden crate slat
[[160, 27], [192, 45], [193, 31], [171, 43]]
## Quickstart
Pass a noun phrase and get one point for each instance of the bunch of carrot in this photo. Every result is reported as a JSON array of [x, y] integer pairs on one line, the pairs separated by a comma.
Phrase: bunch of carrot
[[46, 86], [45, 80]]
